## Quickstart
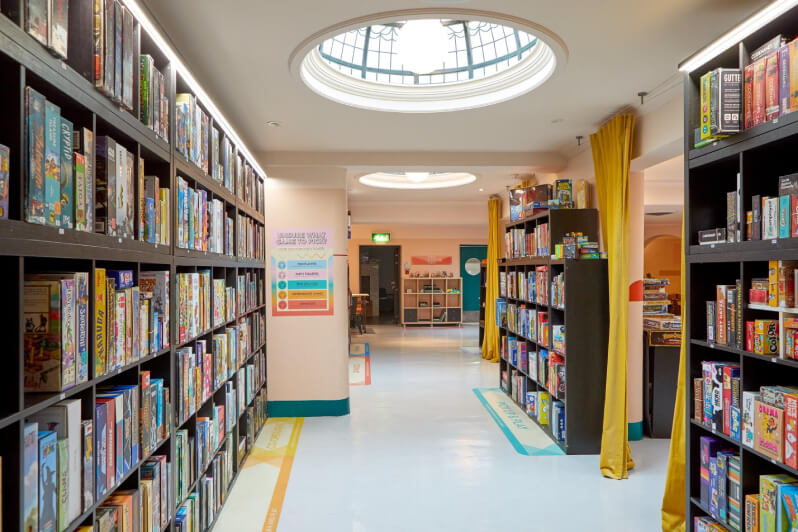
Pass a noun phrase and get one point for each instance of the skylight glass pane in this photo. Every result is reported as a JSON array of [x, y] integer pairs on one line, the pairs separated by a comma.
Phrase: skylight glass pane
[[490, 43]]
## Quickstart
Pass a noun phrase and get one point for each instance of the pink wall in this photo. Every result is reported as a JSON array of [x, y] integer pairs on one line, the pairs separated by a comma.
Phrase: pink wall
[[309, 356], [417, 240]]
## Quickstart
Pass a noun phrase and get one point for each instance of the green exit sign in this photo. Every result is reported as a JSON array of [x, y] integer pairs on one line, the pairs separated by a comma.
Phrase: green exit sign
[[380, 238]]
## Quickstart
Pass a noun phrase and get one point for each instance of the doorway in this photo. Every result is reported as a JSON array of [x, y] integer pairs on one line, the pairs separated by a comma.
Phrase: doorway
[[379, 277], [471, 257]]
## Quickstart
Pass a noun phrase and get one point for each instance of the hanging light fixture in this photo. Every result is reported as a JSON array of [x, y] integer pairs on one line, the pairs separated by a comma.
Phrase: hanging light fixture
[[423, 46]]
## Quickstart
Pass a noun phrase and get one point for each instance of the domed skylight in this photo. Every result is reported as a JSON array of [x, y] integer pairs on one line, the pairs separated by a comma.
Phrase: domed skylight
[[428, 65], [427, 51]]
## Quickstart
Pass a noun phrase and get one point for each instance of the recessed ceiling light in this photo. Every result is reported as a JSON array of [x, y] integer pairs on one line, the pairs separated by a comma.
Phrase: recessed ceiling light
[[482, 190], [417, 180], [273, 123], [558, 121]]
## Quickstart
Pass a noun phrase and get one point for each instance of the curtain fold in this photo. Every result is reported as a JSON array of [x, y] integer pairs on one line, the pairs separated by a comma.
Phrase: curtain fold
[[612, 149], [490, 343], [673, 500]]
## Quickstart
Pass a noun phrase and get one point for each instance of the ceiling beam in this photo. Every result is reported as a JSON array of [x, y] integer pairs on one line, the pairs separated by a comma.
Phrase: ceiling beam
[[451, 161]]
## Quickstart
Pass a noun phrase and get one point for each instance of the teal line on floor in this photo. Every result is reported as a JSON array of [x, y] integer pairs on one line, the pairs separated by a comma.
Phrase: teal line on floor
[[527, 450]]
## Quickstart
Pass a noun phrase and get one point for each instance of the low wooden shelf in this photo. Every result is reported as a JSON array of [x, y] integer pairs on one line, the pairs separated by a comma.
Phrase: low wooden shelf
[[432, 306]]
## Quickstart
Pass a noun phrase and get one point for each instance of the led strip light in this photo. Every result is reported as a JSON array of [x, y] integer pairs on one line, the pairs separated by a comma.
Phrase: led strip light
[[156, 36], [738, 33]]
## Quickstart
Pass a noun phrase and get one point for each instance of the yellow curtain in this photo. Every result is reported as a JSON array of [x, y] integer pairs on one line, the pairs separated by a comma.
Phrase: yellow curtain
[[673, 500], [612, 149], [490, 344]]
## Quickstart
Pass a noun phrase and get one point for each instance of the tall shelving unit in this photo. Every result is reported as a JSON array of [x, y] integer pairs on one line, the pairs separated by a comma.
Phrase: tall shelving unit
[[432, 301], [483, 279], [29, 248], [760, 155], [585, 314]]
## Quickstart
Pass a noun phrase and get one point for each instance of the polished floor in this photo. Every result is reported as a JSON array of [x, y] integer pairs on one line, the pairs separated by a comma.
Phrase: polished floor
[[420, 453]]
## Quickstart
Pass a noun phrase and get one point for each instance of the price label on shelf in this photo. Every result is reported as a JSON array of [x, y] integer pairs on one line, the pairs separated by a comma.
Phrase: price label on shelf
[[120, 240], [773, 241], [774, 462], [712, 246], [61, 396], [60, 231]]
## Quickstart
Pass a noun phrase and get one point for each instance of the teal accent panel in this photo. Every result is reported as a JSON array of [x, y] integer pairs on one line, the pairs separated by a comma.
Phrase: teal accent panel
[[308, 408], [471, 282], [635, 431]]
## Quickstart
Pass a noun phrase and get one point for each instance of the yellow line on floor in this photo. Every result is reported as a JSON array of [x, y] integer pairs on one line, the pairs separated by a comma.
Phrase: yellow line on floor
[[288, 452]]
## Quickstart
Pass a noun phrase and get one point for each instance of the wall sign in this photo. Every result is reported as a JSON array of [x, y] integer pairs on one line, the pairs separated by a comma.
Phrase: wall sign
[[380, 238], [302, 272], [431, 261]]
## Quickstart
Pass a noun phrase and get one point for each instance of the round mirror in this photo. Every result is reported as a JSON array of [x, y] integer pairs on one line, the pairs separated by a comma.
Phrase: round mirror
[[472, 266]]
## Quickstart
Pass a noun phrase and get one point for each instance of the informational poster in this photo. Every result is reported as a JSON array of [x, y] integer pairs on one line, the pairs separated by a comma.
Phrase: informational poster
[[302, 272]]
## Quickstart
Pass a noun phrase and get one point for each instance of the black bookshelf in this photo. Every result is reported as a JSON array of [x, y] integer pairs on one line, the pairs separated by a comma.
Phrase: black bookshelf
[[586, 317], [30, 248], [760, 155], [483, 279]]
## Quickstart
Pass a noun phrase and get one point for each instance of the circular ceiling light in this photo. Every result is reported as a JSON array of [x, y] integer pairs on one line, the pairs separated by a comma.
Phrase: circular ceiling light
[[428, 61], [417, 180]]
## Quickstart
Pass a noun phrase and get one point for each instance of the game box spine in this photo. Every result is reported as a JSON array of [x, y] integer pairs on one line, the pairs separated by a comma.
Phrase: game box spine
[[67, 176]]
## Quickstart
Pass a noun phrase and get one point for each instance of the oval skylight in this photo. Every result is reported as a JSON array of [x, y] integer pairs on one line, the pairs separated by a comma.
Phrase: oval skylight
[[417, 180], [428, 65]]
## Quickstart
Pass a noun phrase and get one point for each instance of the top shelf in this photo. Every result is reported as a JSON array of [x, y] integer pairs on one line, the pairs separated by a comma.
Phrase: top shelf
[[748, 139], [538, 216]]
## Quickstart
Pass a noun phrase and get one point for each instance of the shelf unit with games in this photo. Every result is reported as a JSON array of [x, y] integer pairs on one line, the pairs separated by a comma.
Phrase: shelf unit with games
[[432, 301], [581, 307], [30, 248], [751, 163]]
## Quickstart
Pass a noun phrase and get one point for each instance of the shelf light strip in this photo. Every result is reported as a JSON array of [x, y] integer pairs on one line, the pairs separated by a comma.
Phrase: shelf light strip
[[156, 36], [738, 33]]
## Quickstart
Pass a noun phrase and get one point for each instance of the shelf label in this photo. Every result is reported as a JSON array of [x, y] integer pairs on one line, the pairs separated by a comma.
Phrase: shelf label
[[773, 242], [63, 65], [120, 240], [61, 396], [712, 246], [60, 231]]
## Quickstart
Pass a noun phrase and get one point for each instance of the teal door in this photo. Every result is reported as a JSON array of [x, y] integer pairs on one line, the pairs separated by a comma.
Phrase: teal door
[[471, 257]]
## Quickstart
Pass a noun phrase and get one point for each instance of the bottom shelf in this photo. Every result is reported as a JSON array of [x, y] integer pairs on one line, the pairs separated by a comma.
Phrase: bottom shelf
[[428, 323], [232, 483], [546, 428]]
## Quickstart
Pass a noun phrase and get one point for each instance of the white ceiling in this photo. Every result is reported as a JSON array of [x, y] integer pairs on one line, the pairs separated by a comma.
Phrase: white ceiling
[[240, 51]]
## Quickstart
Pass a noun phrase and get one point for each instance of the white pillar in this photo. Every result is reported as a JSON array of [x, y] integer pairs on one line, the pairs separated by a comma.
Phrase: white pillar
[[634, 365]]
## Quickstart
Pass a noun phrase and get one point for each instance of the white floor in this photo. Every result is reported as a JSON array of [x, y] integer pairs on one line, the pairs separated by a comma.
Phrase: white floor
[[420, 453]]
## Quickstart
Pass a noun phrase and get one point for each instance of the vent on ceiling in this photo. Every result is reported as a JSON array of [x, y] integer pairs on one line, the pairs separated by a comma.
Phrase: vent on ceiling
[[659, 213]]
